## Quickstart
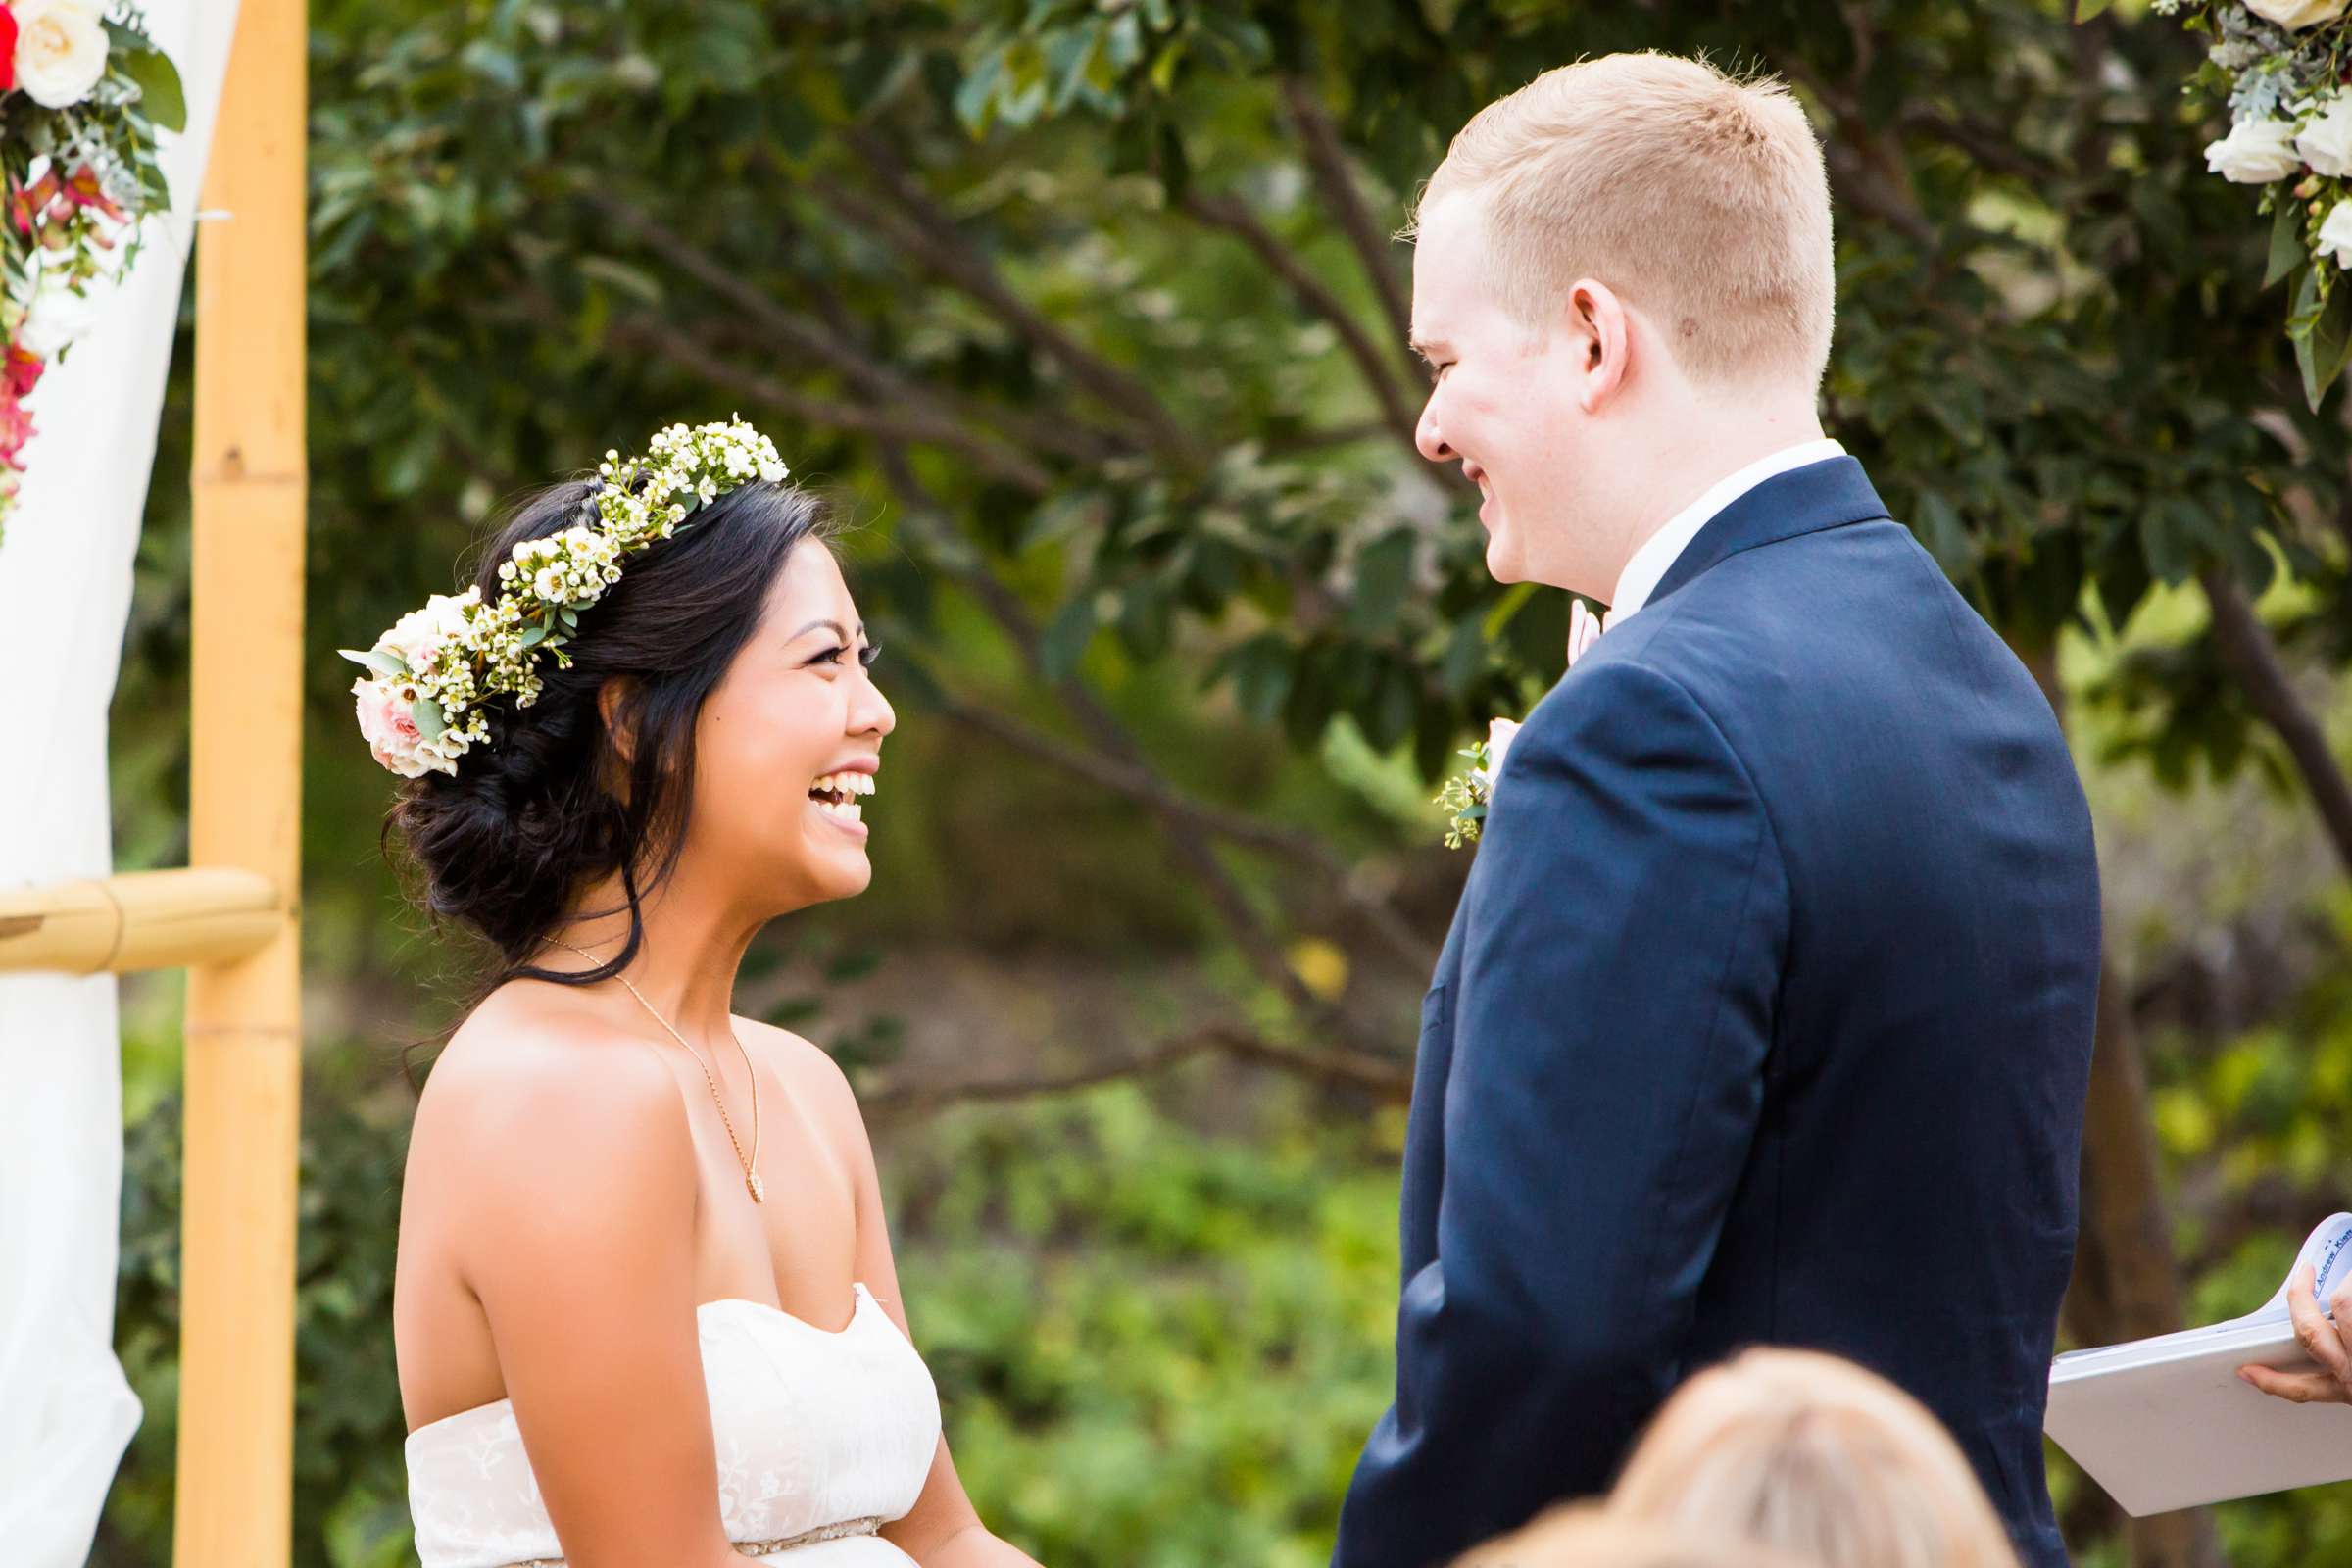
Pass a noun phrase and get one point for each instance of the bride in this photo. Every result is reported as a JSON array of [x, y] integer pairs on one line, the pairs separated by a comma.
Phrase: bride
[[644, 1307]]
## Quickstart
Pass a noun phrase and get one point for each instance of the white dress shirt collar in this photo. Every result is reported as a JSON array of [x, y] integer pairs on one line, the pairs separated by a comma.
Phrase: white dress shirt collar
[[1650, 563]]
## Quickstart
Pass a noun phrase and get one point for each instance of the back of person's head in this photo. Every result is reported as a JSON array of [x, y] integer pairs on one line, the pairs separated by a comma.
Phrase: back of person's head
[[1584, 1537], [1811, 1454], [1701, 198]]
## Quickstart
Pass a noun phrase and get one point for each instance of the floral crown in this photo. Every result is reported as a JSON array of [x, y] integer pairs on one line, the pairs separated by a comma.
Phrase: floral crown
[[420, 706]]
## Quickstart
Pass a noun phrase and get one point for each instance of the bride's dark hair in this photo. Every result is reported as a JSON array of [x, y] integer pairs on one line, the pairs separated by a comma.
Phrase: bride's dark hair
[[529, 819]]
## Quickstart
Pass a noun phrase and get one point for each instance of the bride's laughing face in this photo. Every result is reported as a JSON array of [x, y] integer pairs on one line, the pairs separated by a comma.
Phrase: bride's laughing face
[[789, 743]]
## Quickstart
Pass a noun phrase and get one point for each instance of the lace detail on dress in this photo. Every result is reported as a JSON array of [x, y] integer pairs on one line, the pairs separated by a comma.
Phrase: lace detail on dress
[[821, 1439]]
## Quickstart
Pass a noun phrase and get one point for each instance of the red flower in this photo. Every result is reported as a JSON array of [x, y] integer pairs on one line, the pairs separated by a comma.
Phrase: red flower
[[21, 373], [27, 205], [84, 190], [8, 49]]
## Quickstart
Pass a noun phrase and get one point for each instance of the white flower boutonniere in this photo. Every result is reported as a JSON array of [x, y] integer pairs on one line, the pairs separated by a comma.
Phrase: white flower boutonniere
[[1466, 796]]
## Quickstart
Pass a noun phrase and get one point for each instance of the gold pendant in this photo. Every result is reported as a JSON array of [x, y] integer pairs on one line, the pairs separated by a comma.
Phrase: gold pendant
[[759, 1187]]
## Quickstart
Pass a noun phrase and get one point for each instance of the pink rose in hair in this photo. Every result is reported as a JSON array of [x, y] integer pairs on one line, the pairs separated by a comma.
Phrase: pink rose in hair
[[390, 728]]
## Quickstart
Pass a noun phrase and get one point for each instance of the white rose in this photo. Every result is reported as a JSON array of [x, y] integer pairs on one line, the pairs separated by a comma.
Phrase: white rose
[[2255, 152], [2326, 143], [422, 633], [2335, 235], [61, 50], [57, 317], [2296, 14]]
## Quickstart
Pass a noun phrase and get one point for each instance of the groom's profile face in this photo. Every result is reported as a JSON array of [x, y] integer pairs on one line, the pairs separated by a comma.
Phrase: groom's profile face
[[1505, 402]]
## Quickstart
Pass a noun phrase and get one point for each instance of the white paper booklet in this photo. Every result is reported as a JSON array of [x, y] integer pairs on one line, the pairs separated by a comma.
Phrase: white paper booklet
[[2167, 1423]]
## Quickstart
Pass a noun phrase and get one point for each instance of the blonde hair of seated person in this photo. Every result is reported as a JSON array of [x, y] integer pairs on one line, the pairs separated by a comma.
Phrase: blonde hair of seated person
[[1813, 1455], [1583, 1535]]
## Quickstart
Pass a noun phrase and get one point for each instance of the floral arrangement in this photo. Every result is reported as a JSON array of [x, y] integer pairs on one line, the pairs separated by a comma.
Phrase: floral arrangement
[[1467, 796], [2284, 69], [421, 706], [82, 96]]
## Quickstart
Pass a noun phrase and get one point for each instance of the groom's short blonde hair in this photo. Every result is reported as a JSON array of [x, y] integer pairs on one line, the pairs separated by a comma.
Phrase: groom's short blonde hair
[[1701, 198]]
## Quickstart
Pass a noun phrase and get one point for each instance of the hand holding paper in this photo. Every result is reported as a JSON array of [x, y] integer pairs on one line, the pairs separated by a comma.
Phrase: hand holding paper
[[2323, 1339], [2173, 1422]]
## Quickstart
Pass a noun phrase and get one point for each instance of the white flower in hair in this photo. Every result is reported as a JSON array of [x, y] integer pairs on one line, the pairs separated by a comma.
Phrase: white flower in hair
[[420, 707]]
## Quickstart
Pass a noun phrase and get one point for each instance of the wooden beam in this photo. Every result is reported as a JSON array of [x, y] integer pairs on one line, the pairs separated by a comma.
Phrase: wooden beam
[[139, 920], [243, 1060]]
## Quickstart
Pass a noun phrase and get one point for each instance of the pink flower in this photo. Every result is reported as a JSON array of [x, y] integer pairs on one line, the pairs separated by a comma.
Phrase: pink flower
[[19, 373], [8, 49], [16, 428], [390, 727], [27, 205], [1500, 733]]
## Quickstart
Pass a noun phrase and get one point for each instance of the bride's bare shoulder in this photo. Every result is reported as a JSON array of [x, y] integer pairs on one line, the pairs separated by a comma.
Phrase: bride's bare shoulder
[[803, 1066], [533, 1075]]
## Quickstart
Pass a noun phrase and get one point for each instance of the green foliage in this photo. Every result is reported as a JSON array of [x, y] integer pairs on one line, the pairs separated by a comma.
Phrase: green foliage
[[2254, 1134], [984, 213], [1154, 1347], [350, 1479]]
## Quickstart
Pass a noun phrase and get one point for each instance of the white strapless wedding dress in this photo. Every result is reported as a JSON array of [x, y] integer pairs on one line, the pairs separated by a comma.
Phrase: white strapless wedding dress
[[823, 1438]]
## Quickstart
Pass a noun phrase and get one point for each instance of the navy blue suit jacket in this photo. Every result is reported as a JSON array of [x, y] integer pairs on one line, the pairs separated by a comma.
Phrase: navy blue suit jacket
[[1765, 1018]]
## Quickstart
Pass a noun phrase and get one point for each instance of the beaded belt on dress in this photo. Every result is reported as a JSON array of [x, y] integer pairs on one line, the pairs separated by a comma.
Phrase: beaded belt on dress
[[760, 1548]]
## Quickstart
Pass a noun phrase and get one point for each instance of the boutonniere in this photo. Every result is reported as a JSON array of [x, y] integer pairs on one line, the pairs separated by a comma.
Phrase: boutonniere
[[1465, 796]]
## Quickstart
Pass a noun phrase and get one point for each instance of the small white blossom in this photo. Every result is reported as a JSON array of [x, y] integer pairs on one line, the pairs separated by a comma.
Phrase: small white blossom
[[458, 649]]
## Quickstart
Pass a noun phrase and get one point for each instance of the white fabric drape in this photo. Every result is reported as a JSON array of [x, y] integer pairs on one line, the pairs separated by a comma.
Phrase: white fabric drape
[[66, 1411]]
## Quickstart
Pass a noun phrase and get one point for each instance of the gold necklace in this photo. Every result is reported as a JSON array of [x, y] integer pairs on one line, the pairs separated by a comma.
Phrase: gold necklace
[[751, 1170]]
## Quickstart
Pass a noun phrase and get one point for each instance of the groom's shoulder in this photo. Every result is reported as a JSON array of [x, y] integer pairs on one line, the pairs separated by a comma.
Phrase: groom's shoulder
[[1644, 703]]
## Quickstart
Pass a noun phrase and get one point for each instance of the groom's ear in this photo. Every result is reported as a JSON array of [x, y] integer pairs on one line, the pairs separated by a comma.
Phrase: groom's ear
[[1599, 337]]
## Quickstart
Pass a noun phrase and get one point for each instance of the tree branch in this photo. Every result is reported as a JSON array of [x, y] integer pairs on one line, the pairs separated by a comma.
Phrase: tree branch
[[800, 334], [913, 423], [1991, 146], [925, 231], [2126, 1282], [1338, 1069], [1234, 218], [918, 1098], [1149, 789], [1185, 836], [1327, 161], [2249, 653]]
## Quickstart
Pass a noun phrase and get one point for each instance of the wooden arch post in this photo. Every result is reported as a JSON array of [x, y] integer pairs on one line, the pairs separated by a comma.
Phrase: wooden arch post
[[232, 916], [244, 1041]]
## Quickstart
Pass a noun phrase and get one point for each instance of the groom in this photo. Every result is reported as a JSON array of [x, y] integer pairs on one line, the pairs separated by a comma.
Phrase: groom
[[1766, 1016]]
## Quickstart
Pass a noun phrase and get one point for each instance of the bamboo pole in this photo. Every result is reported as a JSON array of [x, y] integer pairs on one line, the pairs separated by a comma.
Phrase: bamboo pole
[[244, 1049], [139, 920]]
